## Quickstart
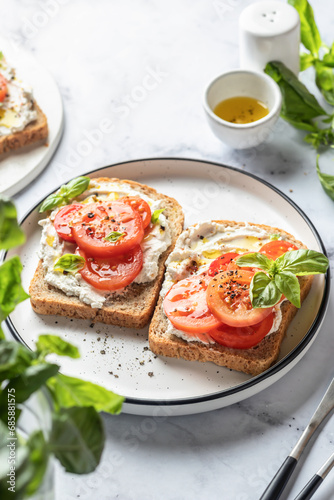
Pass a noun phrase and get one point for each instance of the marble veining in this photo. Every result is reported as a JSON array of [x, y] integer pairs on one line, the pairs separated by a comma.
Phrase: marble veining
[[143, 65]]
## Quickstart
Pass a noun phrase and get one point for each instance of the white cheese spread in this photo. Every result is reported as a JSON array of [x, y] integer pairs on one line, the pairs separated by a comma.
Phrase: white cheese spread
[[16, 110], [52, 247], [198, 246]]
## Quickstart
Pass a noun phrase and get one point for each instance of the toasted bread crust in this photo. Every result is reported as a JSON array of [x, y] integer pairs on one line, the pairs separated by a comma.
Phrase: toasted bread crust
[[131, 309], [252, 361], [34, 132]]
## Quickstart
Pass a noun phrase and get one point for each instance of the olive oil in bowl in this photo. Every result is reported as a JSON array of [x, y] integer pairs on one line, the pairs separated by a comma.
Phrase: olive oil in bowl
[[241, 110]]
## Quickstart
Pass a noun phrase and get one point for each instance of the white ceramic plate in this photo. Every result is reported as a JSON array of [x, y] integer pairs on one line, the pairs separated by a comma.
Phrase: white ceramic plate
[[119, 358], [18, 169]]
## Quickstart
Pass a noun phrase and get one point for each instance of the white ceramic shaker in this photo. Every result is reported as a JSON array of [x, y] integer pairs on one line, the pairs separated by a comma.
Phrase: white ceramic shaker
[[269, 31]]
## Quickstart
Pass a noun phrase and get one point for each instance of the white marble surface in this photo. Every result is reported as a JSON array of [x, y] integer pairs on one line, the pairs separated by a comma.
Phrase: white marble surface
[[103, 55]]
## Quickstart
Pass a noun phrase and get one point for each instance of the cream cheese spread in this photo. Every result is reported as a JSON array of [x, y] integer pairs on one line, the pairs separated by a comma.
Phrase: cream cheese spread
[[199, 245], [52, 247], [17, 109]]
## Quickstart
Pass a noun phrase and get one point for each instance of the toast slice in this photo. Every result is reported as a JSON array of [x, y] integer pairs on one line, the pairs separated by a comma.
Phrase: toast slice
[[34, 133], [134, 307], [252, 361]]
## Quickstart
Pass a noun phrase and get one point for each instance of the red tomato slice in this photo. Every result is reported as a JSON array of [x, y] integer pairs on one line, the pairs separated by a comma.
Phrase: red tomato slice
[[228, 299], [185, 305], [276, 248], [141, 206], [93, 223], [3, 88], [63, 219], [242, 337], [113, 273], [221, 263]]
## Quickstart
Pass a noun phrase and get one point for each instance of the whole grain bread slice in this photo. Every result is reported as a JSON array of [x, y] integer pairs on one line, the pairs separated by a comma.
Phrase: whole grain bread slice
[[34, 133], [252, 361], [134, 307]]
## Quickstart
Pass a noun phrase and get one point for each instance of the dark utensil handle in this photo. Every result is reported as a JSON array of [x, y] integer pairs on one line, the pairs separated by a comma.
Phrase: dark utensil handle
[[311, 487], [277, 485]]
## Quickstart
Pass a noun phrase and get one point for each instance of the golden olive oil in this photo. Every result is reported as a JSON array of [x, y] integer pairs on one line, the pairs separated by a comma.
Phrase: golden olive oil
[[241, 110]]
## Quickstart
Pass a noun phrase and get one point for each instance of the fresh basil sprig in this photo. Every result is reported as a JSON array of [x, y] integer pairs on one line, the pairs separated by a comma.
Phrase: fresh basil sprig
[[70, 263], [156, 215], [66, 192], [114, 236], [280, 276]]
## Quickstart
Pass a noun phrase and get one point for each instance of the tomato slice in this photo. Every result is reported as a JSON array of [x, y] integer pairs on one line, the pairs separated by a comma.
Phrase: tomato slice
[[141, 206], [95, 222], [242, 337], [228, 299], [114, 273], [63, 219], [221, 263], [185, 305], [276, 248], [3, 88]]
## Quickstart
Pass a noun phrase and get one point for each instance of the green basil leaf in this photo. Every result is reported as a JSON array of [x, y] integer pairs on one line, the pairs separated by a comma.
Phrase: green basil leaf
[[302, 262], [11, 291], [65, 193], [255, 260], [70, 391], [306, 60], [288, 284], [38, 458], [322, 137], [309, 32], [299, 106], [263, 291], [51, 202], [156, 214], [47, 344], [14, 359], [274, 237], [77, 439], [70, 263], [76, 187], [325, 81], [28, 382], [114, 236], [327, 181], [11, 235]]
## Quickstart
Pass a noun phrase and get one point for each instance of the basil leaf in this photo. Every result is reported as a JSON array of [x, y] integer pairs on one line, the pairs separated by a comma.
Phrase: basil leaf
[[327, 181], [66, 192], [51, 202], [305, 61], [70, 391], [309, 33], [38, 458], [302, 262], [11, 291], [76, 187], [14, 359], [28, 382], [288, 284], [274, 237], [114, 236], [156, 214], [322, 137], [263, 291], [77, 439], [11, 235], [325, 81], [47, 344], [299, 106], [70, 263], [255, 260]]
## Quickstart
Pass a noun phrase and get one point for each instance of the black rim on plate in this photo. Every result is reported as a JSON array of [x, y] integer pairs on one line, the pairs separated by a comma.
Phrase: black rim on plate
[[270, 371]]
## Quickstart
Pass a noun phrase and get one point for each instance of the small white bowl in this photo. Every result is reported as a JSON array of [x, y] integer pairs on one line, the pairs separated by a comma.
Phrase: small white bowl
[[247, 83]]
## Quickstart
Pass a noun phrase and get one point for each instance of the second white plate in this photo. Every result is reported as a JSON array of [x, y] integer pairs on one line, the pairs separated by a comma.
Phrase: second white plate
[[119, 358], [18, 169]]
